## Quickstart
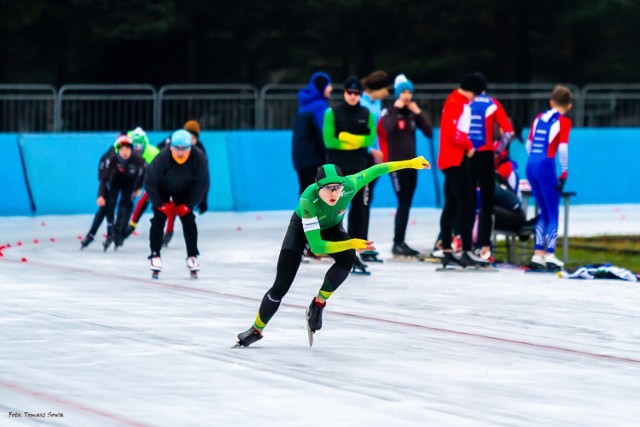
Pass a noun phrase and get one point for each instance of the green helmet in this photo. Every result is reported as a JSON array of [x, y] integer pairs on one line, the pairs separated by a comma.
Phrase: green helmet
[[139, 138], [329, 174]]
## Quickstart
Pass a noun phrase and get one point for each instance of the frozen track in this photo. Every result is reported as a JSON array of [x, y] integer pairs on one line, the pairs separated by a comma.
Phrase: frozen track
[[90, 335]]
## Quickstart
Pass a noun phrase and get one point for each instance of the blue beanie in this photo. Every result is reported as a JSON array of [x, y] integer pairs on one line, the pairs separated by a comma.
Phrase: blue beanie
[[181, 138], [401, 84]]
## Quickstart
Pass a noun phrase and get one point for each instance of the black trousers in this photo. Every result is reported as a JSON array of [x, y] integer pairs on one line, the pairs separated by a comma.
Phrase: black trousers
[[483, 175], [510, 220], [189, 228], [306, 177], [120, 195], [404, 184], [289, 262], [458, 205], [97, 220]]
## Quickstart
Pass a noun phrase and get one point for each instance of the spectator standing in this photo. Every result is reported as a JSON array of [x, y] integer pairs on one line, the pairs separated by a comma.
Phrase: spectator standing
[[398, 142], [549, 135], [348, 132], [487, 114], [307, 147], [455, 150], [376, 88]]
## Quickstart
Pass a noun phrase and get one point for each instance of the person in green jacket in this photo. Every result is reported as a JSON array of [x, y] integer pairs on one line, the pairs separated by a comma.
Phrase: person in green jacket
[[318, 220], [148, 152], [349, 130]]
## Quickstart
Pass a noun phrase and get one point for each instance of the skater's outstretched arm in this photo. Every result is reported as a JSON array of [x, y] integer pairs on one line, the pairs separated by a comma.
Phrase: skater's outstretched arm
[[361, 179]]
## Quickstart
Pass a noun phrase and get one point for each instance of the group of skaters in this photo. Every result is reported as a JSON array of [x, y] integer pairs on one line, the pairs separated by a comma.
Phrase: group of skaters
[[175, 178], [339, 151]]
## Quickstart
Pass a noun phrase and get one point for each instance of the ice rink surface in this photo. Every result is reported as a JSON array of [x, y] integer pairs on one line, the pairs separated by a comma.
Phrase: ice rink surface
[[89, 335]]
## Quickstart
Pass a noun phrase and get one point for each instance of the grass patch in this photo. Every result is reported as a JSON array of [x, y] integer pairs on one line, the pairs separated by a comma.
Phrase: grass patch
[[622, 251]]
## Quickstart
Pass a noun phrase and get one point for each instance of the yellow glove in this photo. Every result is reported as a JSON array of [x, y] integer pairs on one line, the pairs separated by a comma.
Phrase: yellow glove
[[358, 244], [420, 163], [350, 140]]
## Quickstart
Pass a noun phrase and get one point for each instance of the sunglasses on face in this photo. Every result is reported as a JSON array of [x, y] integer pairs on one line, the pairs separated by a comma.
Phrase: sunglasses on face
[[180, 148], [332, 187], [353, 93]]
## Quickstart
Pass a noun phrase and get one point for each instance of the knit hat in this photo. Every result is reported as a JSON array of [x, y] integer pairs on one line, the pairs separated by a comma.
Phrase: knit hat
[[138, 137], [353, 83], [181, 138], [320, 80], [474, 82], [401, 84], [121, 140], [192, 126], [329, 174], [376, 80]]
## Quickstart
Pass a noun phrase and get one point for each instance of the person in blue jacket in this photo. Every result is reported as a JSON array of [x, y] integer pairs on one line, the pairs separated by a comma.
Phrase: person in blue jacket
[[308, 150]]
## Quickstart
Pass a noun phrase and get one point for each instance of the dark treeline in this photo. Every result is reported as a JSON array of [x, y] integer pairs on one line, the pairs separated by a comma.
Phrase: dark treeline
[[279, 41]]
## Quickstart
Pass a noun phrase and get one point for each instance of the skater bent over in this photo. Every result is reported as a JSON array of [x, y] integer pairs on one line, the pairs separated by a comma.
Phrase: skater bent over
[[318, 221], [175, 182], [120, 179]]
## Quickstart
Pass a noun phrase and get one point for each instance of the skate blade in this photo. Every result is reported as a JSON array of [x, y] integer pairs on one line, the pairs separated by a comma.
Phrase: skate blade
[[469, 269], [401, 258], [309, 331]]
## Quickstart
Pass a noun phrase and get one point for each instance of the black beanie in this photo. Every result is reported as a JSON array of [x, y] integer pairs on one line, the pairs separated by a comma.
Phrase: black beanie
[[474, 82], [353, 83], [376, 80], [320, 82]]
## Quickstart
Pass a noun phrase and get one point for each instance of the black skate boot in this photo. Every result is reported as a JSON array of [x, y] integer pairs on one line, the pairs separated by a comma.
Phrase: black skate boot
[[314, 315], [473, 260], [86, 241], [452, 260], [359, 267], [248, 337], [167, 238], [314, 318], [403, 250], [370, 256], [118, 237]]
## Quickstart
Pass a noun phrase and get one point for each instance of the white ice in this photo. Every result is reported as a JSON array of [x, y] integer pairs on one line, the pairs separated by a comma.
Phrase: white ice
[[89, 335]]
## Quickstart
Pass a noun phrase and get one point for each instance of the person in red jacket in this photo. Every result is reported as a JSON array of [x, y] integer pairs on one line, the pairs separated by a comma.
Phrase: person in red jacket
[[487, 114], [455, 150]]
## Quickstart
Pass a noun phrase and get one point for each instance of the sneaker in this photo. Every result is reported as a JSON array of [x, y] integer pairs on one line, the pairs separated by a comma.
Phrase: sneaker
[[456, 244], [486, 255], [248, 337], [552, 262], [453, 259], [437, 253], [156, 262], [472, 260], [192, 264], [538, 262], [86, 241], [167, 238], [314, 315], [402, 249]]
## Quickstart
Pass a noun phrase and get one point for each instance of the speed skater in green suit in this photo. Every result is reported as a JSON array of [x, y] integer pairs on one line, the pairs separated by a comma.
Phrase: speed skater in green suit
[[317, 220]]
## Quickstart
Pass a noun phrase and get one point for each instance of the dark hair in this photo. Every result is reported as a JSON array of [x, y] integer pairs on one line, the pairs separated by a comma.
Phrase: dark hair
[[376, 80], [561, 96]]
